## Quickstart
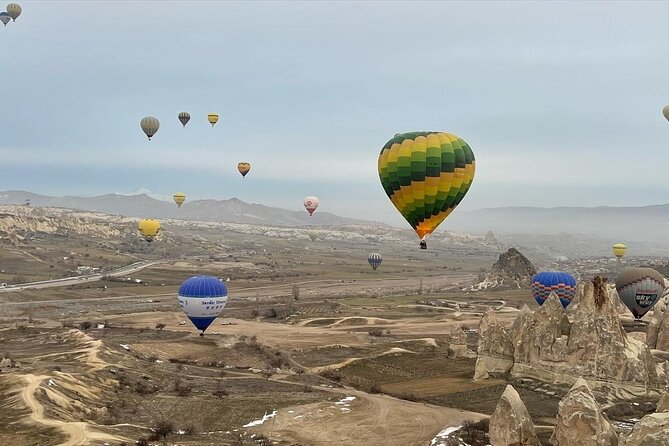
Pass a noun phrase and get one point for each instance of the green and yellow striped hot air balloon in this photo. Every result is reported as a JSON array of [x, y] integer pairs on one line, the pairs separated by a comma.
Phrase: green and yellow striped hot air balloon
[[426, 175]]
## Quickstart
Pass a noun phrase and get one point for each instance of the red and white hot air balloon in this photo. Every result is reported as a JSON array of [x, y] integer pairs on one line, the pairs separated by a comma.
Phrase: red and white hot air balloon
[[310, 204]]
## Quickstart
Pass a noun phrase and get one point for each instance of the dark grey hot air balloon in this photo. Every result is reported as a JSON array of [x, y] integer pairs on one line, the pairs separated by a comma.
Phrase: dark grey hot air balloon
[[375, 260], [4, 18], [184, 118], [14, 11], [639, 289], [665, 112], [150, 126]]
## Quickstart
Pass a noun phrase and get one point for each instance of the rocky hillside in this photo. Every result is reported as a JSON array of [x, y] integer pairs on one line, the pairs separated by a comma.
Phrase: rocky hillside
[[19, 223], [512, 270]]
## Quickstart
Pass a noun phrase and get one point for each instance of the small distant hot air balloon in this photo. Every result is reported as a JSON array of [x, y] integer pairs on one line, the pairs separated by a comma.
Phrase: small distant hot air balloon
[[5, 18], [14, 11], [148, 228], [375, 260], [313, 235], [179, 198], [244, 168], [311, 204], [202, 298], [426, 175], [184, 118], [665, 112], [150, 126], [619, 250], [212, 118], [639, 289], [563, 284]]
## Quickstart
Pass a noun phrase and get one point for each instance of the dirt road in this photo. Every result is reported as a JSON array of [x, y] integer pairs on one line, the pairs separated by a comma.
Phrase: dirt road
[[78, 431]]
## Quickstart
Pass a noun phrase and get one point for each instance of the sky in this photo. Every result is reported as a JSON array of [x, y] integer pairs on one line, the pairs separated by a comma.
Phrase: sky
[[560, 101]]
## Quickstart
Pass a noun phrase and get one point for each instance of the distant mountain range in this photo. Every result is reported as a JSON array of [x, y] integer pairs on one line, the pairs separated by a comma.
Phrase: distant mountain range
[[577, 227], [644, 223], [142, 205]]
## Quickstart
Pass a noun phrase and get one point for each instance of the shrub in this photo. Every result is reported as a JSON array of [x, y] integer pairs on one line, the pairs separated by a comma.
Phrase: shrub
[[160, 326], [163, 428], [332, 375], [85, 325], [376, 331]]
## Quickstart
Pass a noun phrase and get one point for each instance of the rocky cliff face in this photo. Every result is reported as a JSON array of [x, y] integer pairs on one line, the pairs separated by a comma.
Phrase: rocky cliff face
[[512, 270], [20, 222], [580, 420], [545, 345]]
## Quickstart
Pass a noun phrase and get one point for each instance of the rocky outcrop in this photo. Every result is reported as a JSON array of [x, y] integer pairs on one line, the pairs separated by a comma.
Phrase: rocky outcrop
[[510, 423], [480, 370], [595, 346], [651, 430], [544, 336], [657, 334], [512, 270], [490, 239], [663, 404], [580, 421], [495, 348], [458, 344]]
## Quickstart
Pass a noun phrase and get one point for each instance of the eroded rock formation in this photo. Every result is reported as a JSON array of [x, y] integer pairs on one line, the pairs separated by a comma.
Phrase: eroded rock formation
[[580, 421], [510, 423], [512, 270]]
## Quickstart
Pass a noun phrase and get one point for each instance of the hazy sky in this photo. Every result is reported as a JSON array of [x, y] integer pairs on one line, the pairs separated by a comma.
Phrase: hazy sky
[[560, 101]]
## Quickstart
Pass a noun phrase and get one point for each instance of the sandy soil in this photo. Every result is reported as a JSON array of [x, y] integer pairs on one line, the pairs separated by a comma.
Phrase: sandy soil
[[367, 419]]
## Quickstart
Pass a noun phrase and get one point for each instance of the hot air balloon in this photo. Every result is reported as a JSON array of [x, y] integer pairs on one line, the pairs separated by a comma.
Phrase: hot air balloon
[[184, 118], [179, 198], [150, 126], [665, 112], [619, 250], [313, 235], [202, 298], [375, 260], [4, 18], [639, 289], [149, 229], [563, 284], [310, 204], [426, 175], [212, 118], [243, 168], [14, 11]]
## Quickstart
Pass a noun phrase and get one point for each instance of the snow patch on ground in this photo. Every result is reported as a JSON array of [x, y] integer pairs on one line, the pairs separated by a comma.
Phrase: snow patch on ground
[[262, 420], [441, 438]]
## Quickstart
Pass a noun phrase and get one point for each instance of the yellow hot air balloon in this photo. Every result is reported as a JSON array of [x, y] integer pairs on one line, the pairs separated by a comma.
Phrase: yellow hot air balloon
[[149, 229], [619, 250], [212, 118], [243, 168], [179, 198], [426, 175]]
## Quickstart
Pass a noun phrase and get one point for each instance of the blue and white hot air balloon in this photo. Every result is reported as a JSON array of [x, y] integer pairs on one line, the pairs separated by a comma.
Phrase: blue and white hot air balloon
[[563, 284], [202, 298], [375, 260]]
